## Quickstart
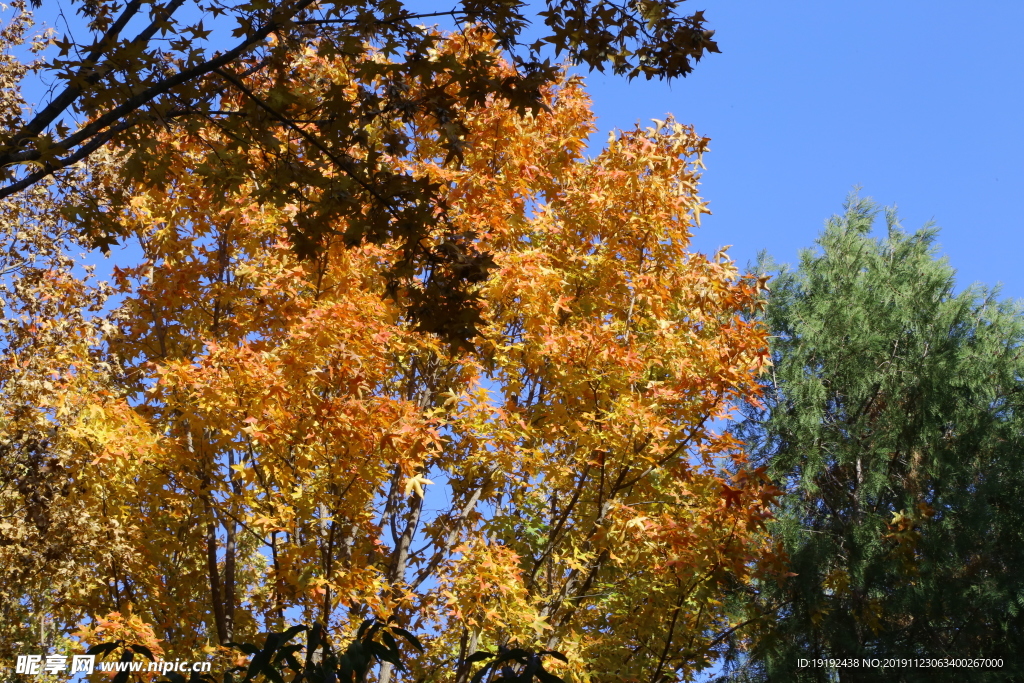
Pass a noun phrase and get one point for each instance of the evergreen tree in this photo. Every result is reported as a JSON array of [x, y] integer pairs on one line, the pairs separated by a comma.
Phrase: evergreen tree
[[893, 425]]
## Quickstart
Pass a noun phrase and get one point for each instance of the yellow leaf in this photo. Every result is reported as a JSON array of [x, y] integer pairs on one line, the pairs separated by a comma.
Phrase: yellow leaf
[[416, 483]]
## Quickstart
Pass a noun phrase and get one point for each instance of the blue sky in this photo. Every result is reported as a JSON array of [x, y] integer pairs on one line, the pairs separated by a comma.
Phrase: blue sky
[[917, 102]]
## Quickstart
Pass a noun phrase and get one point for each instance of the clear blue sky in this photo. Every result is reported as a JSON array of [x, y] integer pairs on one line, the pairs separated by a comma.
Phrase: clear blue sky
[[917, 102]]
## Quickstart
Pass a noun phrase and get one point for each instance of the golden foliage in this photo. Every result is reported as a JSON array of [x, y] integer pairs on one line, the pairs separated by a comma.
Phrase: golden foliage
[[279, 442]]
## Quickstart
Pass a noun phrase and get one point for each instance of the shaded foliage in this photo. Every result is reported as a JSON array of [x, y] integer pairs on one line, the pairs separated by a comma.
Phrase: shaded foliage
[[374, 643], [223, 68]]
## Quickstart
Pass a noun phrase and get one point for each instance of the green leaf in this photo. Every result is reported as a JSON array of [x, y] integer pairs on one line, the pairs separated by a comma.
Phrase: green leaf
[[103, 649], [142, 650], [413, 640]]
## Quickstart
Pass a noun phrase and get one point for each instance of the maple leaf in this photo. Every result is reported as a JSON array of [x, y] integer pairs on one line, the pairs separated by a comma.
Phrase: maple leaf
[[416, 483]]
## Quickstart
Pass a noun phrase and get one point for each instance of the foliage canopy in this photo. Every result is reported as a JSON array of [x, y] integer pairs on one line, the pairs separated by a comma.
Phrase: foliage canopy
[[225, 70], [249, 435]]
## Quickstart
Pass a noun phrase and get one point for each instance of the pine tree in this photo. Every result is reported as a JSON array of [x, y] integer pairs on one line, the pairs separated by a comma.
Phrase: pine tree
[[893, 424]]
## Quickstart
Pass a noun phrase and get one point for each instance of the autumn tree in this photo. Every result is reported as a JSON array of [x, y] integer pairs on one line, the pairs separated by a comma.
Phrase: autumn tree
[[53, 372], [892, 420], [283, 442], [219, 69]]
